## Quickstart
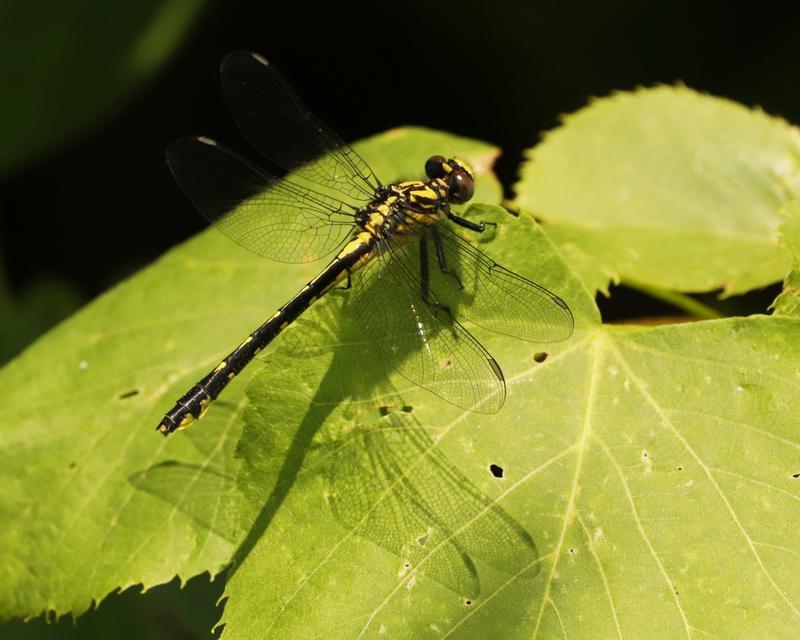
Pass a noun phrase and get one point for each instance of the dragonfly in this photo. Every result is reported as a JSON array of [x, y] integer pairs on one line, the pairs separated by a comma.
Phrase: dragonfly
[[414, 279]]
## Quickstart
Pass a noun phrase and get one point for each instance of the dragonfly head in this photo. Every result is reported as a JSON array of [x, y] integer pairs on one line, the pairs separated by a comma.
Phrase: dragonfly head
[[456, 173]]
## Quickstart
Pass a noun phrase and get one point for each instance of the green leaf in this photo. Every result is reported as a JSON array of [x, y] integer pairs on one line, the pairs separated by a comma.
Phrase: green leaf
[[71, 64], [97, 500], [788, 302], [647, 479], [668, 188]]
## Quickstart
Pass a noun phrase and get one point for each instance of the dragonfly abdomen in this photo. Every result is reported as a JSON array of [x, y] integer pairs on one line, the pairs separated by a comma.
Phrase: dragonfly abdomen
[[194, 403]]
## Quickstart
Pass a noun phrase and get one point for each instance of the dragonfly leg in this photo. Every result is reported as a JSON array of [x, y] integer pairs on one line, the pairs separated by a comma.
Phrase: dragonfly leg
[[480, 227], [441, 258], [349, 282], [425, 282]]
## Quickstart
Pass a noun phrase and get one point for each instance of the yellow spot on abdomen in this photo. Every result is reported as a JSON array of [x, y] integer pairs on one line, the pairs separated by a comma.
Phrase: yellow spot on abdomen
[[204, 404]]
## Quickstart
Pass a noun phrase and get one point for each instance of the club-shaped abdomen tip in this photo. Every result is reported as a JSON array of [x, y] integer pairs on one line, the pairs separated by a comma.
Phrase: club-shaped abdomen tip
[[166, 426]]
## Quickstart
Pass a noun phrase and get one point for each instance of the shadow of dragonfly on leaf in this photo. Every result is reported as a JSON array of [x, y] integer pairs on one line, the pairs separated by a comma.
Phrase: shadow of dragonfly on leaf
[[391, 484]]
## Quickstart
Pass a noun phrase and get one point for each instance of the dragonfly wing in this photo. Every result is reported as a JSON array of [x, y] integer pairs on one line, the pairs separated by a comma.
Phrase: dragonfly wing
[[419, 338], [273, 217], [282, 128], [495, 298]]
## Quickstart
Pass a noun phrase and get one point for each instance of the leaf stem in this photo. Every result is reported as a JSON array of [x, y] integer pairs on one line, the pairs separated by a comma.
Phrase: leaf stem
[[679, 300]]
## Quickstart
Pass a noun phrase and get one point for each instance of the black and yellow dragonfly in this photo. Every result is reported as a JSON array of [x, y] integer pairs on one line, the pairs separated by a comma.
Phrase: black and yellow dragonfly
[[413, 271]]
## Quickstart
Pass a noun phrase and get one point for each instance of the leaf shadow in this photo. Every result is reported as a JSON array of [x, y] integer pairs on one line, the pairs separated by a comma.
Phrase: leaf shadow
[[315, 336]]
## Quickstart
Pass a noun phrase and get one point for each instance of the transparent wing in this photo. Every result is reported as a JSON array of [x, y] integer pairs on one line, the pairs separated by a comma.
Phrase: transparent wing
[[493, 297], [280, 126], [390, 484], [419, 338], [273, 217]]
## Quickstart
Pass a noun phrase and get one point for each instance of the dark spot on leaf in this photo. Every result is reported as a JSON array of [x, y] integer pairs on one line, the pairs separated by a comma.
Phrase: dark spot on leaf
[[796, 475], [497, 472], [129, 394], [406, 408], [572, 551], [422, 540], [675, 590], [468, 602], [679, 468], [406, 565], [73, 464], [540, 356], [383, 410]]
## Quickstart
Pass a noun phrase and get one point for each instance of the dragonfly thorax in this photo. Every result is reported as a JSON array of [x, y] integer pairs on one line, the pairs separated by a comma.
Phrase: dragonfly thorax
[[404, 208]]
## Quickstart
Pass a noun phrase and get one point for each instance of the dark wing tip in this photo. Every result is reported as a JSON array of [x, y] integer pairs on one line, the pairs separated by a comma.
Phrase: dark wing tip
[[177, 151], [235, 58]]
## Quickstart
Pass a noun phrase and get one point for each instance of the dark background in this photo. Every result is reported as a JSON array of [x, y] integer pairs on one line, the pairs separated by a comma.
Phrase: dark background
[[501, 71], [97, 209]]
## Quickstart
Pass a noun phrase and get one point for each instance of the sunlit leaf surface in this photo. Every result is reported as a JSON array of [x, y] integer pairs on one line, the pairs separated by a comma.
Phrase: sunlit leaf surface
[[653, 470], [93, 499], [788, 302], [669, 188], [639, 482]]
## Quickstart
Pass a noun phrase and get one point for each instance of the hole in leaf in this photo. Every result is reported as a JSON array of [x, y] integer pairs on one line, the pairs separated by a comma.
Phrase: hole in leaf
[[540, 356], [129, 394], [468, 602], [572, 551], [406, 408], [496, 470], [796, 475], [383, 410], [679, 468]]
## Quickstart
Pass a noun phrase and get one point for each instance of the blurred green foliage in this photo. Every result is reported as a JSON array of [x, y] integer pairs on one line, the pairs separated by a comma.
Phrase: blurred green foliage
[[38, 307], [72, 64]]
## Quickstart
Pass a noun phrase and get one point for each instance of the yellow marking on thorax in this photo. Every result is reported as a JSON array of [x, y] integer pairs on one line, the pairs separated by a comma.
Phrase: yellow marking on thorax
[[376, 219], [220, 366], [425, 192]]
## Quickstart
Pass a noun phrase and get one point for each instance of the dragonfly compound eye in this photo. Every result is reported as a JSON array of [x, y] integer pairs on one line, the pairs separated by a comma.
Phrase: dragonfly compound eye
[[434, 167], [461, 187]]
